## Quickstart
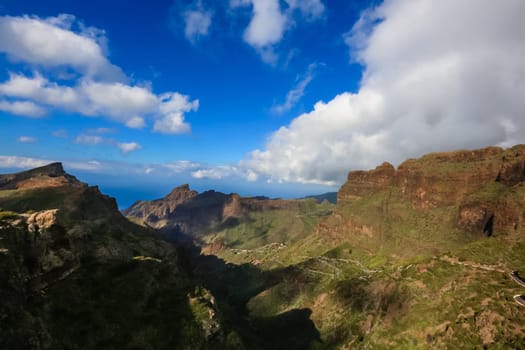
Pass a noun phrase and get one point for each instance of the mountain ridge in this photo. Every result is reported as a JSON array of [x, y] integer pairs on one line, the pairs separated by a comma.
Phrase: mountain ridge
[[75, 273], [415, 257]]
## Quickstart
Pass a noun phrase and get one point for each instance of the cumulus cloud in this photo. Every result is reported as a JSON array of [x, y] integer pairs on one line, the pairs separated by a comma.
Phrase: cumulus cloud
[[172, 107], [269, 22], [90, 138], [295, 94], [50, 42], [119, 102], [100, 90], [426, 87], [27, 139], [127, 147], [135, 122], [197, 22], [215, 173], [22, 162], [22, 108]]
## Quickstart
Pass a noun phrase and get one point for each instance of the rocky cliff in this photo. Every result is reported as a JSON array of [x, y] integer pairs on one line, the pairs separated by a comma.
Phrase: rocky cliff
[[483, 188], [192, 213]]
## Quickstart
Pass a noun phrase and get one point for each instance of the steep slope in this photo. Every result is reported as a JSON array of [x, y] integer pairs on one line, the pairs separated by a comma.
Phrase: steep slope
[[74, 273], [155, 213], [415, 257], [229, 222], [418, 257]]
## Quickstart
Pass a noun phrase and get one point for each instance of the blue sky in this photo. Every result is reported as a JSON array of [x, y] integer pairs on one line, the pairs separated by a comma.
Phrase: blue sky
[[271, 97]]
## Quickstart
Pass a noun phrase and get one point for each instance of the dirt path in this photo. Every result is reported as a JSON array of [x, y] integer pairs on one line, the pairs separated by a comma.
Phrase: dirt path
[[455, 261]]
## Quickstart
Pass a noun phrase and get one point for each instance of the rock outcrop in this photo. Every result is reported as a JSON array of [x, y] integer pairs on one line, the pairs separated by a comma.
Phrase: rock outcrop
[[51, 175], [364, 183], [485, 185], [155, 212]]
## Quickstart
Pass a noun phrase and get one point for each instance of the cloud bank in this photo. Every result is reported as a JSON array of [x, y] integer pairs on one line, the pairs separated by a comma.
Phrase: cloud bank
[[97, 87], [437, 75]]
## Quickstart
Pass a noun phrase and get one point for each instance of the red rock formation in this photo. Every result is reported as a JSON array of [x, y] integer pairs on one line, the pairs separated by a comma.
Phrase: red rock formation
[[486, 185], [363, 183]]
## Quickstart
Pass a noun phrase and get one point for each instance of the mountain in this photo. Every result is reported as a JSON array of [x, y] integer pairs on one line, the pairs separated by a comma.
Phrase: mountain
[[330, 197], [216, 220], [74, 273], [414, 257], [419, 256]]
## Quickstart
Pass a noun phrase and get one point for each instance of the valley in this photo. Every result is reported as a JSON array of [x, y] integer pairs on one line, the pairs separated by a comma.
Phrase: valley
[[414, 257]]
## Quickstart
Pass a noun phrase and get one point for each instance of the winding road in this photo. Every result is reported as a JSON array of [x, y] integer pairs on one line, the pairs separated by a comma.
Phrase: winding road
[[518, 298]]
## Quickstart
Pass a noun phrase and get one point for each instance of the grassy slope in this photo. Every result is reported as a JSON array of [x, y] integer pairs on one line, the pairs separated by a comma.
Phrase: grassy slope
[[261, 235], [412, 279]]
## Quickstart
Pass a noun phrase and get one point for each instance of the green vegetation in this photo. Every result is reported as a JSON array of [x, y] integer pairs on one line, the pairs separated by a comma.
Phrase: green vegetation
[[389, 270]]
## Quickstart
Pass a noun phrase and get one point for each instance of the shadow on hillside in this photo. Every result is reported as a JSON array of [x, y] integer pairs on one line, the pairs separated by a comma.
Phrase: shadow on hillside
[[233, 286]]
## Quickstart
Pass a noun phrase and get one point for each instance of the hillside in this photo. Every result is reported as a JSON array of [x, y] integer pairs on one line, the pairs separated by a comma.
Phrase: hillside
[[75, 274], [228, 222], [414, 257]]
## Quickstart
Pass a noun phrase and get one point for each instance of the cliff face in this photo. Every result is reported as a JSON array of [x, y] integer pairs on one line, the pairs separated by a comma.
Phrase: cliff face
[[51, 175], [484, 186], [155, 212]]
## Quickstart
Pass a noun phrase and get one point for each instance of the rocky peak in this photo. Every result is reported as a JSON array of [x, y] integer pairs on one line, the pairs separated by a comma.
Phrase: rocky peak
[[155, 212], [443, 178], [362, 183], [181, 194], [485, 185], [51, 170], [51, 175]]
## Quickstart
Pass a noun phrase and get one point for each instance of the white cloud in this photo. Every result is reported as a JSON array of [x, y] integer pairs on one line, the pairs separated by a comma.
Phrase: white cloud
[[50, 42], [266, 27], [172, 108], [90, 139], [119, 102], [426, 87], [27, 139], [40, 90], [197, 23], [90, 165], [100, 131], [136, 122], [297, 92], [128, 147], [310, 9], [181, 166], [22, 162], [22, 108], [215, 173], [100, 90], [269, 22]]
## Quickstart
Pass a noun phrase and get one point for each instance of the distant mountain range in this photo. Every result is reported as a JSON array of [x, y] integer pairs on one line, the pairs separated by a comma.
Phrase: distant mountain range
[[415, 257], [330, 197]]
